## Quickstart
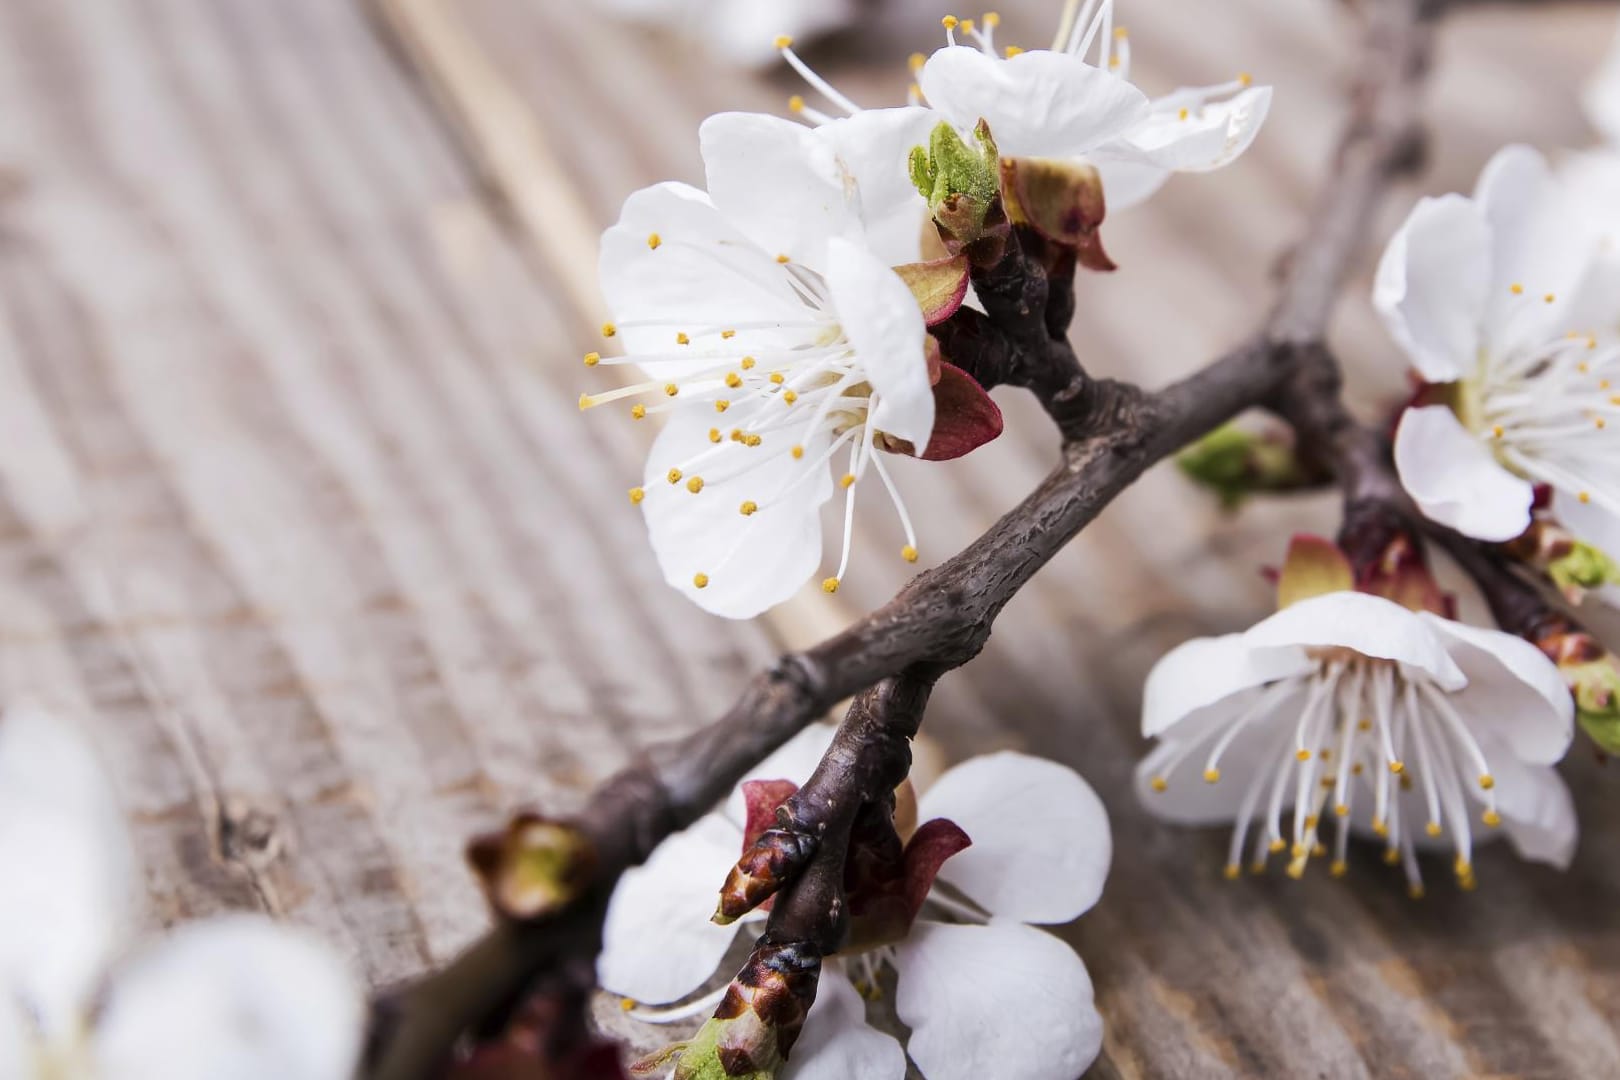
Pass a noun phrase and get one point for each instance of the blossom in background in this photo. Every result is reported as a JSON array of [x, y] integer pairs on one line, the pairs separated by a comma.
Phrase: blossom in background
[[1350, 708], [983, 993], [1592, 177], [1053, 103], [740, 30], [1494, 300], [236, 997]]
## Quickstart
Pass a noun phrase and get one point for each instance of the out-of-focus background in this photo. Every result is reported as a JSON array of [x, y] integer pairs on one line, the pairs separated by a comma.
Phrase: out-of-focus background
[[297, 510]]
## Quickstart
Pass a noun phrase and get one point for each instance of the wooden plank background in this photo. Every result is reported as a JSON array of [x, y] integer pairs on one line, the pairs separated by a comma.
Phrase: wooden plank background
[[298, 512]]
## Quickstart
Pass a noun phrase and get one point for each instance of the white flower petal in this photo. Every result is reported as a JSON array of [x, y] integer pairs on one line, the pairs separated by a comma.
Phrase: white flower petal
[[16, 1055], [874, 146], [1128, 183], [1603, 95], [658, 944], [67, 899], [1368, 624], [1589, 522], [1211, 137], [837, 1043], [1537, 811], [749, 562], [1453, 477], [885, 327], [1041, 845], [702, 272], [1003, 1000], [238, 997], [1038, 104], [779, 183], [1538, 242], [1203, 671], [1514, 693], [1433, 284]]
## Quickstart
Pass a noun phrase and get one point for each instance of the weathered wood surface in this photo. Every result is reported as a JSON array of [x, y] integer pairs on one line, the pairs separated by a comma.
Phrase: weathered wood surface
[[297, 511]]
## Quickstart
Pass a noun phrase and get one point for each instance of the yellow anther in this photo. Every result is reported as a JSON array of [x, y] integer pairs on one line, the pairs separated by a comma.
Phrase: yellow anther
[[950, 22], [653, 240], [1121, 33], [1245, 79], [1184, 113], [736, 434], [695, 484], [733, 379], [701, 580], [783, 42], [1364, 725], [1397, 767], [728, 334], [1584, 368], [721, 405], [1318, 850], [795, 104], [681, 338], [1011, 51], [1356, 769], [1325, 753], [673, 476], [747, 363], [1550, 297], [1277, 847], [752, 440], [609, 330], [1113, 62], [1339, 868], [1415, 891], [783, 259], [915, 61], [830, 585], [637, 494], [1233, 871], [991, 20], [638, 411], [585, 402], [1516, 289], [1392, 856], [627, 1004], [790, 396], [1212, 776], [714, 434], [908, 553], [1296, 869], [847, 480], [967, 26], [1487, 781], [1497, 431], [1258, 866], [1328, 782], [778, 378], [1584, 496], [592, 359], [1380, 827], [1491, 818], [1341, 810], [1310, 821], [1302, 754], [671, 389], [748, 508], [1462, 867], [798, 452], [1432, 828], [1467, 883]]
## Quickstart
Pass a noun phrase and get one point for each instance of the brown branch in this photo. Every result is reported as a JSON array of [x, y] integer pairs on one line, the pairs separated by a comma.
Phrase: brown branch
[[941, 619]]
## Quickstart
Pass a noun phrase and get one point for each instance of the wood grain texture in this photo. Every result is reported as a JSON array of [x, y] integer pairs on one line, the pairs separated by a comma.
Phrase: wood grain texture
[[297, 511]]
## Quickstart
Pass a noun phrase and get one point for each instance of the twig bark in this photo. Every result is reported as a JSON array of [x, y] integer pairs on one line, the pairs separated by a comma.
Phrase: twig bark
[[1113, 432]]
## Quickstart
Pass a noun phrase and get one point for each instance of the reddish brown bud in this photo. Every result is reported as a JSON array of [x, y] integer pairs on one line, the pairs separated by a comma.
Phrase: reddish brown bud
[[759, 1019], [1060, 200], [532, 868]]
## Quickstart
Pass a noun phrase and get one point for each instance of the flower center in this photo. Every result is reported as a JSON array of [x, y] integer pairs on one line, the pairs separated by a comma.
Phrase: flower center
[[1551, 412], [1355, 729]]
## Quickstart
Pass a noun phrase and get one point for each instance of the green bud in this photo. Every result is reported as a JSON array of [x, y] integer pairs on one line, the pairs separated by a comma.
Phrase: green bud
[[1596, 686], [949, 166], [1584, 567], [1235, 463]]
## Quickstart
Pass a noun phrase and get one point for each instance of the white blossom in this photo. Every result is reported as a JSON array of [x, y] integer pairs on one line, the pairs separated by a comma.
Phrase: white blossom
[[1350, 710], [788, 354], [740, 30], [237, 997], [983, 993], [1497, 302]]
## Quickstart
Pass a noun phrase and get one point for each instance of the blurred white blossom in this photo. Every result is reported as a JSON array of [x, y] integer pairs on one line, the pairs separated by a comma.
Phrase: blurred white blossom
[[237, 997]]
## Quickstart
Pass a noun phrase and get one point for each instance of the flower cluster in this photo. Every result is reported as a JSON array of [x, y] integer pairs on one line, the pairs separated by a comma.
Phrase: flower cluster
[[1005, 841], [238, 996], [781, 316]]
